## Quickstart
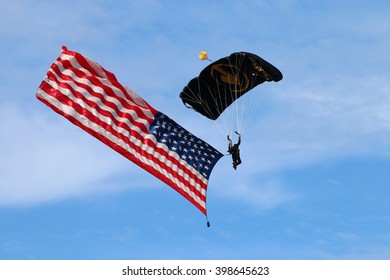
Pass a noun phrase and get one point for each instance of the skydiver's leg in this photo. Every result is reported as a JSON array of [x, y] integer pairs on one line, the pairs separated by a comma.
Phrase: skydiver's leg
[[238, 160]]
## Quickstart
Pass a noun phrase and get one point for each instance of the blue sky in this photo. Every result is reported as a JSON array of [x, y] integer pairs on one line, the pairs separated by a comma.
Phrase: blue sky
[[314, 183]]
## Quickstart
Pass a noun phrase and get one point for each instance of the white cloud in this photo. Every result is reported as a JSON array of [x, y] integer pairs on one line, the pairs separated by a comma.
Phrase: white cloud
[[45, 159], [262, 195], [247, 185], [313, 121]]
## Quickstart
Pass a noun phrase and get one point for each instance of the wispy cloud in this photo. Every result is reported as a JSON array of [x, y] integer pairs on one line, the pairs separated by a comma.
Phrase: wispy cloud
[[44, 159], [313, 122], [247, 185]]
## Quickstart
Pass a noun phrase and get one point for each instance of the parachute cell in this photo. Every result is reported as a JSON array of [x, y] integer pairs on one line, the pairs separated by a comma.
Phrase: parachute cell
[[224, 81]]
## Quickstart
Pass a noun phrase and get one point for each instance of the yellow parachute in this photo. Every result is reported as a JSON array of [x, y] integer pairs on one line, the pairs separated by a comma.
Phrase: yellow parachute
[[203, 55]]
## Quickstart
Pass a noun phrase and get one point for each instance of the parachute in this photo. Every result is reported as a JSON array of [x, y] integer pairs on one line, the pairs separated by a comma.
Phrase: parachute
[[224, 81]]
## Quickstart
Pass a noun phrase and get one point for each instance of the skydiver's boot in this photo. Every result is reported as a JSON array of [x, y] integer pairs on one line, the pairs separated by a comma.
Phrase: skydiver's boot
[[234, 165]]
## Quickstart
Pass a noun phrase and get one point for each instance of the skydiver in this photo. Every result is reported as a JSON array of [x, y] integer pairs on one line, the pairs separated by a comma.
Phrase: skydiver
[[234, 150]]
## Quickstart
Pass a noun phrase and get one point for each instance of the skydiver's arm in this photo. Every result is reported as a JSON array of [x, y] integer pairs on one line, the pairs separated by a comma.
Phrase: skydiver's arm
[[230, 143]]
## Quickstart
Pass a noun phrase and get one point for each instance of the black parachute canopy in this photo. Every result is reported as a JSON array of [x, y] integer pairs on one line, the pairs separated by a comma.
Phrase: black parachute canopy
[[225, 80]]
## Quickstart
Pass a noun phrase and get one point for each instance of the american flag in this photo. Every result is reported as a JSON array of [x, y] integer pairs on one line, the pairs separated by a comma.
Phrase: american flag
[[91, 97]]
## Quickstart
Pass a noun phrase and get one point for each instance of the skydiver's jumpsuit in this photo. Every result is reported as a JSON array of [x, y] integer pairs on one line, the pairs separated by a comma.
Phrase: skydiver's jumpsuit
[[234, 150]]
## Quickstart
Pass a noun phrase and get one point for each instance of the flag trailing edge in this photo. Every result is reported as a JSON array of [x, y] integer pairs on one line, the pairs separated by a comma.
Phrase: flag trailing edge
[[89, 96]]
